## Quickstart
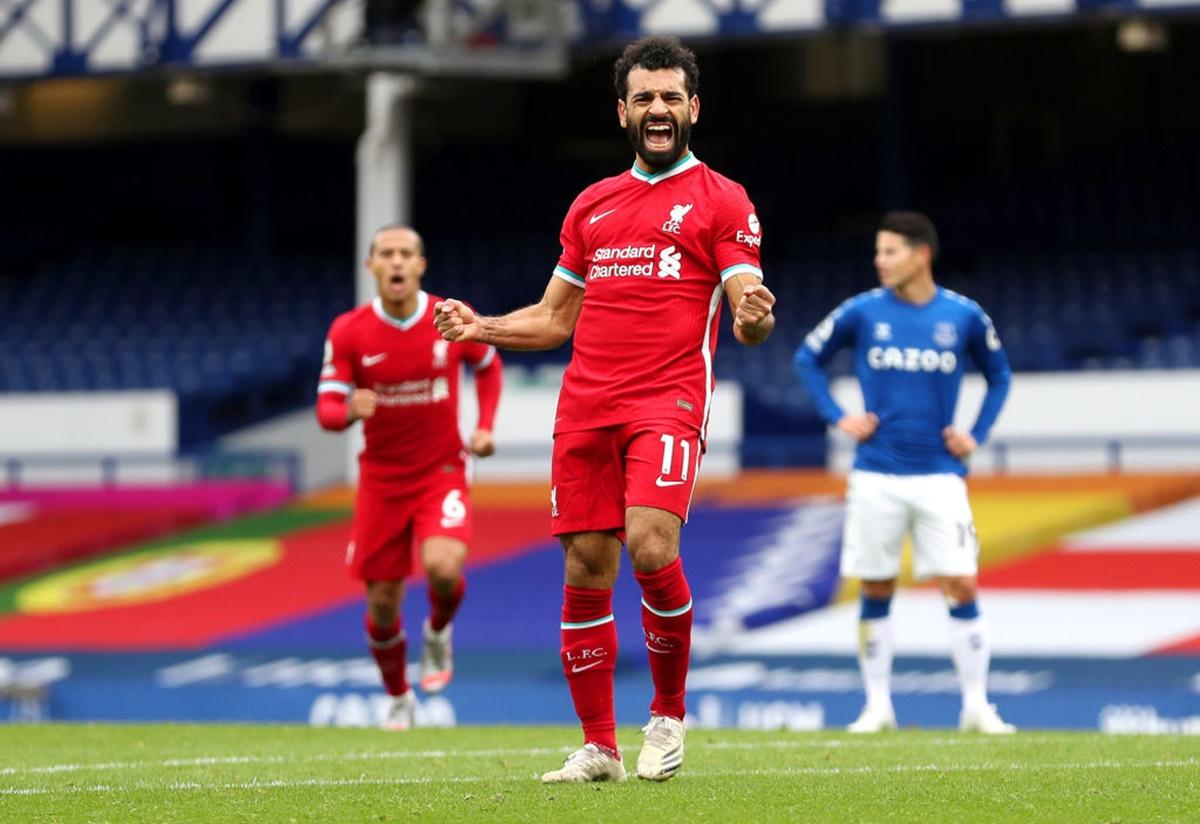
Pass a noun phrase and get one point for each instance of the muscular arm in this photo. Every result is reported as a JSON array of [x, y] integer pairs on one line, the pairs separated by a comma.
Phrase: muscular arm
[[751, 304], [544, 325]]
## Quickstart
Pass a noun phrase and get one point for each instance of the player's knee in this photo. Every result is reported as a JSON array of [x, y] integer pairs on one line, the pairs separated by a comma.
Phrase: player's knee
[[653, 539], [383, 614], [879, 590], [383, 600], [443, 575], [591, 559], [589, 571], [652, 557], [653, 544], [959, 590]]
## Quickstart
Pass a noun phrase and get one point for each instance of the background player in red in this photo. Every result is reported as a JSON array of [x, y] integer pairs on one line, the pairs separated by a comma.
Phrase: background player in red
[[647, 255], [386, 365]]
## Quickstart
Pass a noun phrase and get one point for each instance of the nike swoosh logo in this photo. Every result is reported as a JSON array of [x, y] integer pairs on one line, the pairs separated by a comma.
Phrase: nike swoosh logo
[[660, 482], [600, 216], [577, 668], [371, 360]]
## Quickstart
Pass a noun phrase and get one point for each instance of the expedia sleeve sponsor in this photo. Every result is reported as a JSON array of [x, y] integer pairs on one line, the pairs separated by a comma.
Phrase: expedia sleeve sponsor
[[737, 232], [751, 240]]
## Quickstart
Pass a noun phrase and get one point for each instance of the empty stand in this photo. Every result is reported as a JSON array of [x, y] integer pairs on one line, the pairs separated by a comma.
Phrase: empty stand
[[237, 341]]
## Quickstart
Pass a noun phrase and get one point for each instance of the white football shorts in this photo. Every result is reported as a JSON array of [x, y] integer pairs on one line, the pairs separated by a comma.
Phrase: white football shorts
[[881, 509]]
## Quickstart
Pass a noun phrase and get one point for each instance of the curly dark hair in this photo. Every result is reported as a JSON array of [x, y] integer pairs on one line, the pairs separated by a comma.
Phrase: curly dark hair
[[652, 53], [914, 227]]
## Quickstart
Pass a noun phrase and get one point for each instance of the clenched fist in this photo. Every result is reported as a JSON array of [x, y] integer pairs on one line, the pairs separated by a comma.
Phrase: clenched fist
[[755, 306], [482, 443], [456, 321], [362, 404]]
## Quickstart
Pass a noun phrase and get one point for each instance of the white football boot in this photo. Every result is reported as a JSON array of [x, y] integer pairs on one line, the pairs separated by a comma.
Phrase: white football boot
[[873, 719], [402, 712], [588, 763], [437, 659], [986, 720], [662, 753]]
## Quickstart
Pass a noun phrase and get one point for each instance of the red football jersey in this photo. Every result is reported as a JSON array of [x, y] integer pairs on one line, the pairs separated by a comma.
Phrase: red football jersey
[[415, 374], [652, 252]]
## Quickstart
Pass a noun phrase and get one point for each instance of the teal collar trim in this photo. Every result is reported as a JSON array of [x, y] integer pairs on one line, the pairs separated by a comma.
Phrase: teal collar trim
[[402, 323], [688, 161]]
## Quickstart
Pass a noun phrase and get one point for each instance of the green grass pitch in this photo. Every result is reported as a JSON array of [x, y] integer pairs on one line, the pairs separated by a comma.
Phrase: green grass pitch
[[129, 773]]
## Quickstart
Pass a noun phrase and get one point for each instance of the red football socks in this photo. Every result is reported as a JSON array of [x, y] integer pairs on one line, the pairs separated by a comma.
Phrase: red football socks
[[443, 607], [667, 624], [589, 656], [390, 651]]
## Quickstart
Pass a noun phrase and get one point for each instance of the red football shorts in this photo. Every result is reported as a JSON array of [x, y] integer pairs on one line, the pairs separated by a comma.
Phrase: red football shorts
[[596, 474], [390, 523]]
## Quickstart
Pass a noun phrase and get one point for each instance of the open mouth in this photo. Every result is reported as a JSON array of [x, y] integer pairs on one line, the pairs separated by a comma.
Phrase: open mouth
[[396, 281], [659, 135]]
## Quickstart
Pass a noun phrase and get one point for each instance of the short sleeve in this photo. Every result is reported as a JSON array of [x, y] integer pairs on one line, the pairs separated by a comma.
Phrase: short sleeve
[[737, 236], [573, 260], [337, 368]]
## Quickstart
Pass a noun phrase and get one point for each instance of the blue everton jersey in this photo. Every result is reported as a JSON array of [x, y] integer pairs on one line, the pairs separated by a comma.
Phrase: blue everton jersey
[[909, 360]]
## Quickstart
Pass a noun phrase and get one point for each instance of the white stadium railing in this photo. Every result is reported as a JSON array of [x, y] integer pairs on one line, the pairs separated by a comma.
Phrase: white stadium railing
[[131, 468]]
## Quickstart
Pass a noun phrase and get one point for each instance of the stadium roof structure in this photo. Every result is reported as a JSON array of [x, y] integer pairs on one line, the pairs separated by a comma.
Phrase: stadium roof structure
[[492, 38], [42, 39]]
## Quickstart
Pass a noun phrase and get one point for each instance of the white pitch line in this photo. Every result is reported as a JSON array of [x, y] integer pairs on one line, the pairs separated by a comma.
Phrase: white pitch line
[[184, 786], [244, 785], [922, 768], [227, 760], [874, 742]]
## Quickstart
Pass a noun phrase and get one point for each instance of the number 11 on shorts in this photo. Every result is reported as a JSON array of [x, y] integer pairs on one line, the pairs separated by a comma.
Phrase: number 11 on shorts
[[666, 476]]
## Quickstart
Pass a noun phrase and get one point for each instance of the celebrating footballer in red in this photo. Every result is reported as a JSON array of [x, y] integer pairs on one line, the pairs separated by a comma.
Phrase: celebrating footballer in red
[[386, 365], [652, 253], [647, 256]]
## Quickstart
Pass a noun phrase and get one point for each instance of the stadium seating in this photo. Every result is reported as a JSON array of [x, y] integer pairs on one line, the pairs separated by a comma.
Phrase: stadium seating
[[238, 342], [1087, 263]]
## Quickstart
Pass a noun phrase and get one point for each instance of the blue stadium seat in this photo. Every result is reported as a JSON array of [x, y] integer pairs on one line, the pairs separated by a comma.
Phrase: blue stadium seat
[[1086, 262]]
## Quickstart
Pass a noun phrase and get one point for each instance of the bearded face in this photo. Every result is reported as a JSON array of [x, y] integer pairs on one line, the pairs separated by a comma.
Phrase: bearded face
[[659, 140], [658, 115]]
